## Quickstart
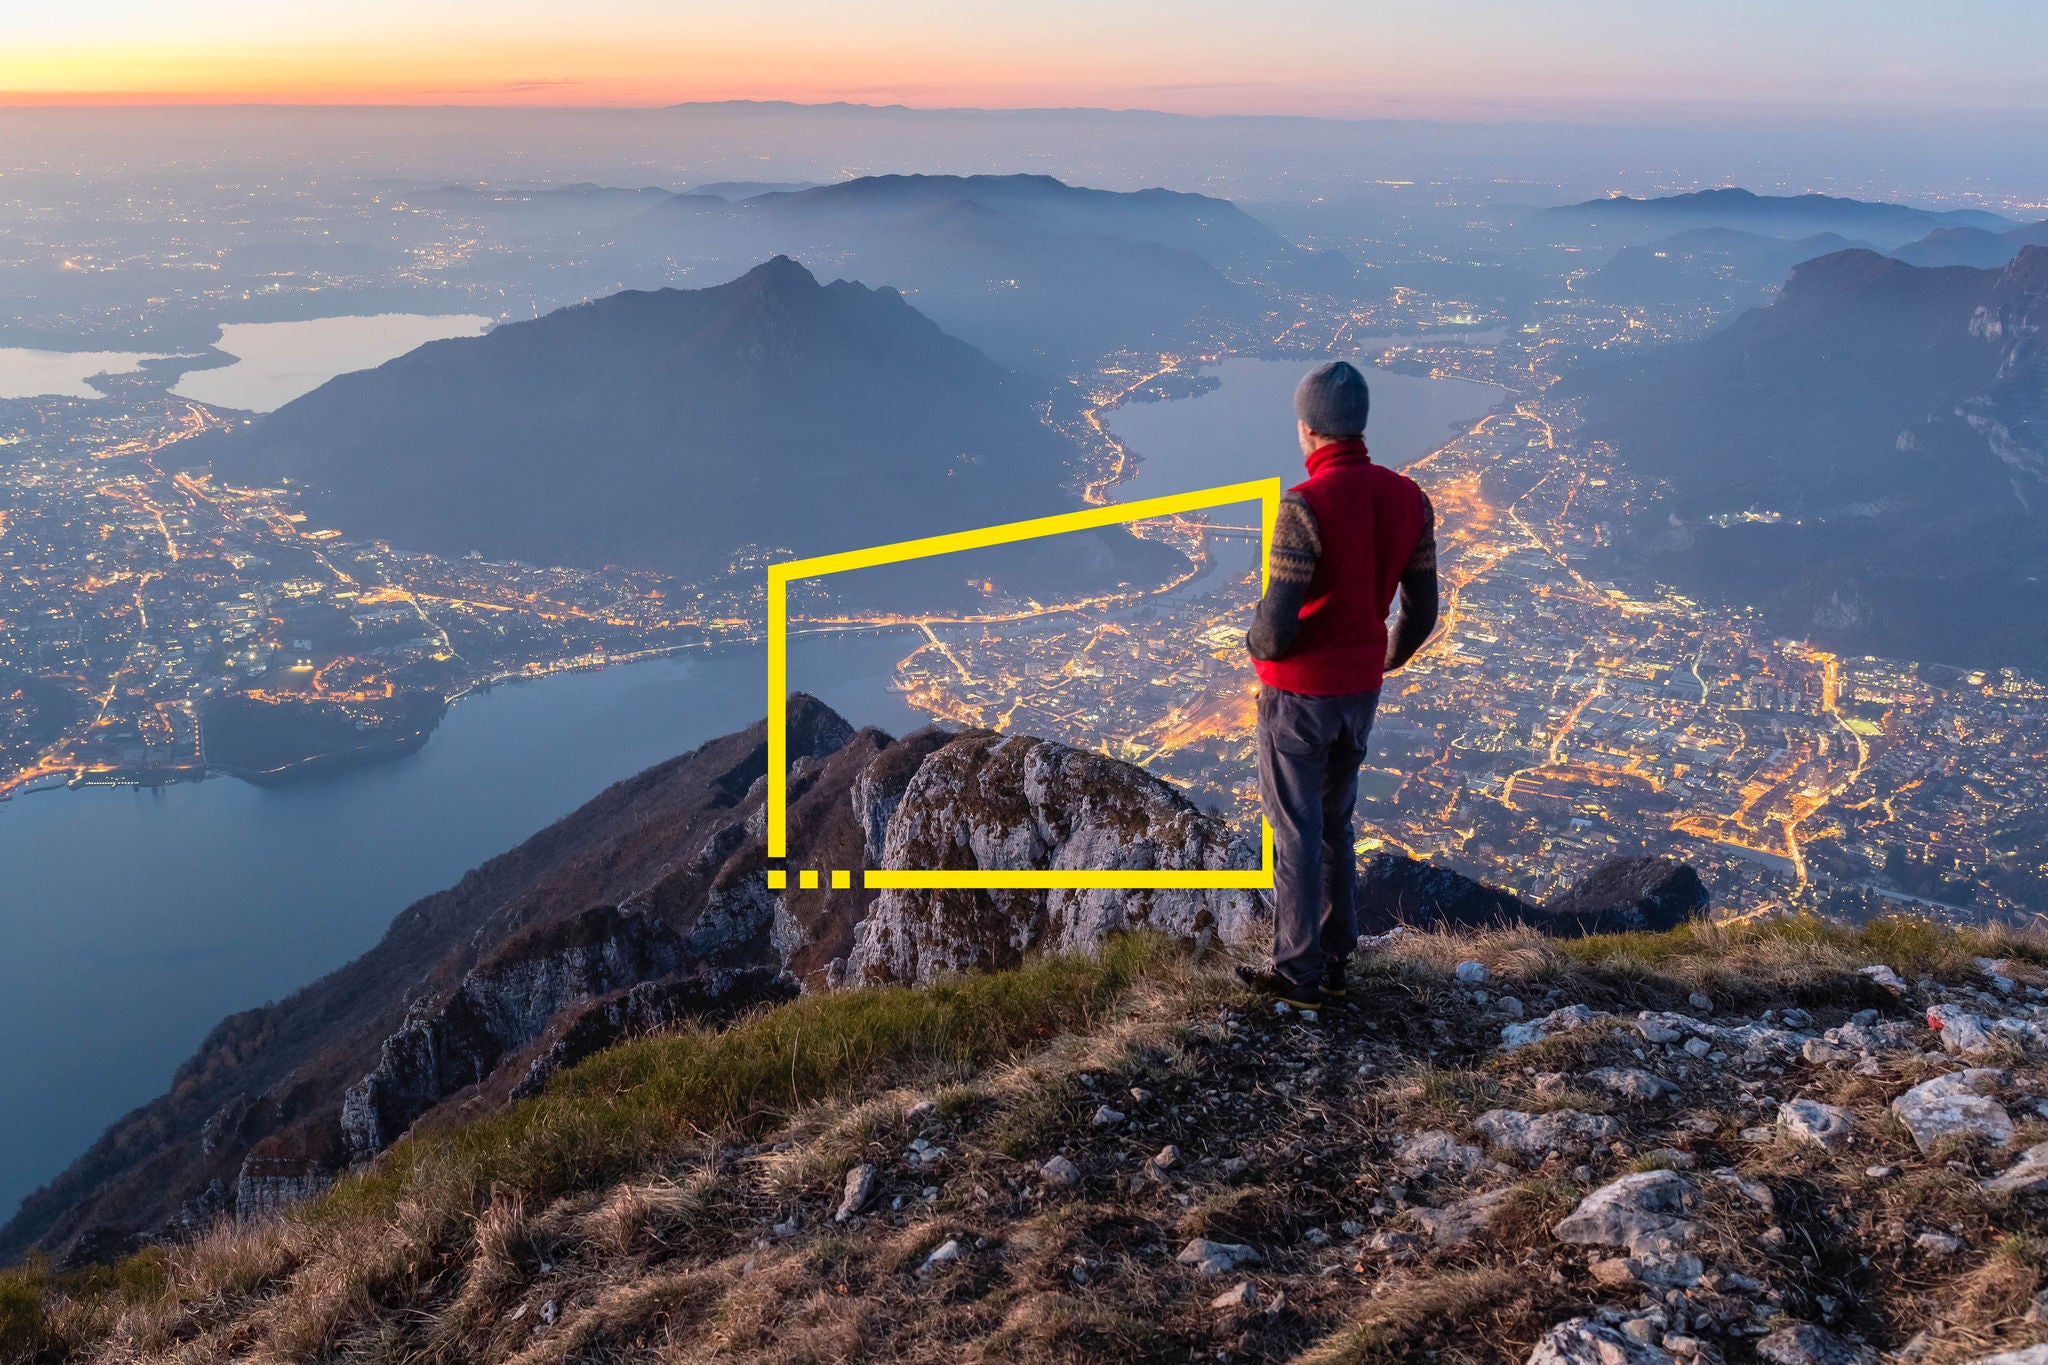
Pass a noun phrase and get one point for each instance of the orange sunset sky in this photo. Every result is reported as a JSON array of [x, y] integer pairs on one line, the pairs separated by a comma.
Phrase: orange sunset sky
[[1479, 57]]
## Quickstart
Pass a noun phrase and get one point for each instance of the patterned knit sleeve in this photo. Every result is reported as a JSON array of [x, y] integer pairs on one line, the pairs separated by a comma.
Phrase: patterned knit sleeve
[[1424, 558], [1419, 605], [1297, 543]]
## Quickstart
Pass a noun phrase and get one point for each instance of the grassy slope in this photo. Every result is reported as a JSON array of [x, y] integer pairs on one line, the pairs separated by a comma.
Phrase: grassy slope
[[626, 1213]]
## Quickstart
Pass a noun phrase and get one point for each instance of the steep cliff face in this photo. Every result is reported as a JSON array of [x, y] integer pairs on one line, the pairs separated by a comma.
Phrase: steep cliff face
[[2012, 415], [646, 1008], [266, 1187], [510, 1002], [1019, 803]]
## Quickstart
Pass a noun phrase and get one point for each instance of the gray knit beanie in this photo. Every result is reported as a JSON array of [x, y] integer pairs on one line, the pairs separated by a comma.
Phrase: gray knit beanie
[[1333, 399]]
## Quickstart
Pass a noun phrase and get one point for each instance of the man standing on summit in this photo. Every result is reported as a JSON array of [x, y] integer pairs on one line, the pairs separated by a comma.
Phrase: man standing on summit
[[1346, 539]]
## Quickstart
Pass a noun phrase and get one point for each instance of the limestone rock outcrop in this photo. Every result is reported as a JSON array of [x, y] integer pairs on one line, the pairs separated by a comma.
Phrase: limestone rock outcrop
[[1019, 803]]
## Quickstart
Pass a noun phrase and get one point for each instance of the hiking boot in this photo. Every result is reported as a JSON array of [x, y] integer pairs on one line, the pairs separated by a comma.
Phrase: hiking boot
[[1336, 991], [1280, 990]]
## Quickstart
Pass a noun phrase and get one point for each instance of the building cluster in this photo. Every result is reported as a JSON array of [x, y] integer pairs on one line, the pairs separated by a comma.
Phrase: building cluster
[[133, 597]]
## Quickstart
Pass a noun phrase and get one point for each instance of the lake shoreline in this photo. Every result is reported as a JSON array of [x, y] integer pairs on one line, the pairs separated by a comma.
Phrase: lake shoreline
[[188, 902], [254, 366], [1242, 428]]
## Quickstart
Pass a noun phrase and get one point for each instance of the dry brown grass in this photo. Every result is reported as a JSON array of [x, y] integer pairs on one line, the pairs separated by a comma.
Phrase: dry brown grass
[[1412, 1311], [1049, 1328], [1985, 1309], [831, 1137], [652, 1312], [663, 1250], [1798, 959]]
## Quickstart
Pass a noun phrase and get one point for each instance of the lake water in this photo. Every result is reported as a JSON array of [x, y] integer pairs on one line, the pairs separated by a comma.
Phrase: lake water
[[276, 362], [1245, 429], [222, 895], [26, 373]]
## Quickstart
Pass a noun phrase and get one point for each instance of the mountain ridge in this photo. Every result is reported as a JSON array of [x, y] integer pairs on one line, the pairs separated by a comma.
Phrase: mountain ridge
[[1074, 272], [1867, 458], [1775, 215], [1973, 246], [659, 429], [1677, 270]]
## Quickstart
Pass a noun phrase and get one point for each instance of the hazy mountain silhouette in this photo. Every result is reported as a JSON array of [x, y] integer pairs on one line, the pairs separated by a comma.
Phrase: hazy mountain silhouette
[[667, 429], [1889, 423], [1214, 229], [1622, 219], [1725, 265], [747, 189], [1039, 273], [1972, 246]]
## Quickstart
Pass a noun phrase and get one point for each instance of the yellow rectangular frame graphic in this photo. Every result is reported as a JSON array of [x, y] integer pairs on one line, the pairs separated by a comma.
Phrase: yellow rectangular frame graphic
[[1265, 492]]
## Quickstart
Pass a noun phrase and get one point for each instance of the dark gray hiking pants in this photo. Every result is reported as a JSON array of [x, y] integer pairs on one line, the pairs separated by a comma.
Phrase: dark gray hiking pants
[[1309, 752]]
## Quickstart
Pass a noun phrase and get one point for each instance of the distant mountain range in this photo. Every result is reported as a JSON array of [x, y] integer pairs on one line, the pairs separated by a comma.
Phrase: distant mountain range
[[1867, 458], [1730, 248], [1621, 220], [1730, 266], [669, 429], [747, 189], [1972, 246], [1214, 229], [1039, 273], [1722, 265]]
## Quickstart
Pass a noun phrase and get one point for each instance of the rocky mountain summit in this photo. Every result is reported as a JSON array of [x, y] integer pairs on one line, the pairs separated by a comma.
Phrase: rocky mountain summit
[[648, 910], [1621, 894], [1779, 1141]]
